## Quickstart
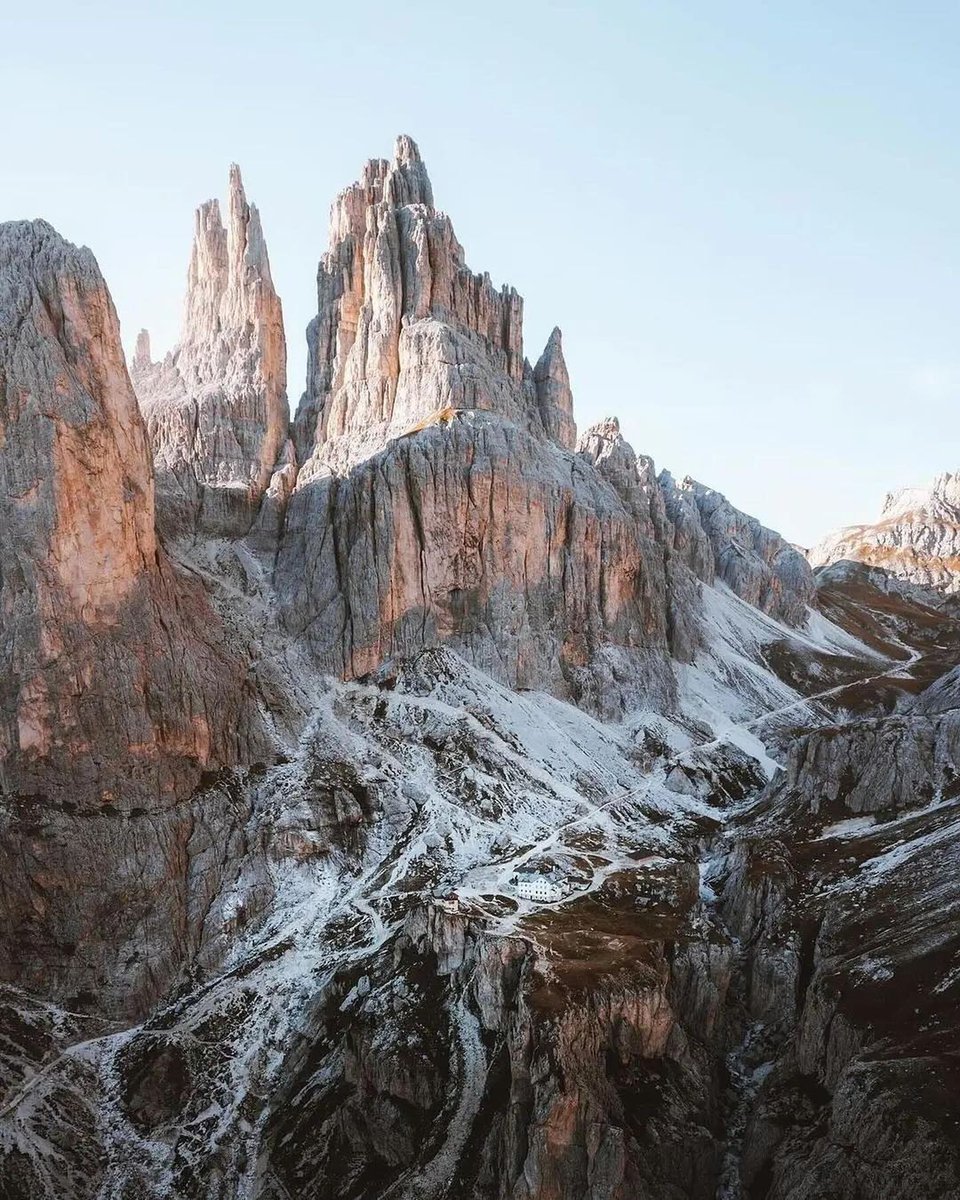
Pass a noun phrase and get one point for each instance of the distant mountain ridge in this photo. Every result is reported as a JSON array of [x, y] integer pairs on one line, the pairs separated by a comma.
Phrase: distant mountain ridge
[[917, 536]]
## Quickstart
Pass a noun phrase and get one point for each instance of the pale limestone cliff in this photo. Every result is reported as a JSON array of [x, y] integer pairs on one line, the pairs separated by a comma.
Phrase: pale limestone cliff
[[216, 407]]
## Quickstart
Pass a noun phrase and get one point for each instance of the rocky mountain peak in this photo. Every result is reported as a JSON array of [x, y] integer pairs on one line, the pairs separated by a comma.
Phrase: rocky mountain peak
[[229, 285], [407, 180], [605, 447], [554, 396], [69, 400], [717, 540], [405, 331], [916, 537], [141, 354], [940, 499], [216, 408]]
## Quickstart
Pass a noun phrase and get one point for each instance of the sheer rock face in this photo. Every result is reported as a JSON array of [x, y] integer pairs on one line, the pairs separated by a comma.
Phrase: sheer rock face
[[216, 408], [118, 687], [716, 540], [105, 647], [634, 478], [477, 534], [917, 537], [441, 500], [405, 330]]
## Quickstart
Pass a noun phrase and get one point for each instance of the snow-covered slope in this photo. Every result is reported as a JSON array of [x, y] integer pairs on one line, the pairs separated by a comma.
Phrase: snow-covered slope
[[402, 813]]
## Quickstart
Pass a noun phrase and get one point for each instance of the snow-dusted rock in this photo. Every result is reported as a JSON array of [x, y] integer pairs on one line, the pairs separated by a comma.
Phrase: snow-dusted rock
[[216, 407], [916, 538], [718, 540]]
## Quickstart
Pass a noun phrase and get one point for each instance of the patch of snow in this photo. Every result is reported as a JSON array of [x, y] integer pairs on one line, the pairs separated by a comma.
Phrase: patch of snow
[[847, 828]]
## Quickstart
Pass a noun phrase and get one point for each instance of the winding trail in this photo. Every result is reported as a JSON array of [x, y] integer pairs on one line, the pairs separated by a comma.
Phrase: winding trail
[[508, 924]]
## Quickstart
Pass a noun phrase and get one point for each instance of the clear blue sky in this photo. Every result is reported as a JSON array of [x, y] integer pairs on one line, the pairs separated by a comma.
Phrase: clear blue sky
[[742, 215]]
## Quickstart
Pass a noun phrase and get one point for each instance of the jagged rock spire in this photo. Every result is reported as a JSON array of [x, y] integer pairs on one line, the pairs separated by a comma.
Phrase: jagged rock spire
[[554, 397], [405, 331], [216, 408], [141, 355]]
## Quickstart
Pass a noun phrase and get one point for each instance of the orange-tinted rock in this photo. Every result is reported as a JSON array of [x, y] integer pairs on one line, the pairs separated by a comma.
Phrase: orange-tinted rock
[[116, 679]]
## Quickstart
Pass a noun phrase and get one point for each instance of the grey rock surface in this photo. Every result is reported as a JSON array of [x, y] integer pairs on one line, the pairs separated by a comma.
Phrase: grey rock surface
[[716, 539], [216, 406], [916, 538]]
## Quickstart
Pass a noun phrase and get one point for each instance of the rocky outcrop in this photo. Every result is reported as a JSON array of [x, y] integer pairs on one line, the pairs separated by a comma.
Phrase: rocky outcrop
[[554, 398], [119, 687], [440, 499], [405, 332], [574, 1083], [917, 537], [877, 765], [117, 679], [476, 534], [716, 540], [216, 407]]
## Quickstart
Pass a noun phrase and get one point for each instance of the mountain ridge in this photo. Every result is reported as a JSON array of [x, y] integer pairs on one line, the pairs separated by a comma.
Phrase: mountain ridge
[[440, 645]]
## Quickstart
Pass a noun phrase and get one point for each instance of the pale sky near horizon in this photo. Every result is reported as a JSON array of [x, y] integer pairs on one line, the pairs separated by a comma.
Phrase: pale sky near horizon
[[742, 215]]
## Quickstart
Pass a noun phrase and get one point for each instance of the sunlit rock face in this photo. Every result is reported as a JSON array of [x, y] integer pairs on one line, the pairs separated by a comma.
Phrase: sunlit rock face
[[119, 687], [441, 499], [112, 662], [917, 537], [216, 407], [405, 330]]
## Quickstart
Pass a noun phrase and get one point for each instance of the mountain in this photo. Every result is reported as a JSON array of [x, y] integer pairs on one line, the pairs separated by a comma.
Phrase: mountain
[[296, 720], [441, 497], [917, 537], [120, 687], [216, 406]]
